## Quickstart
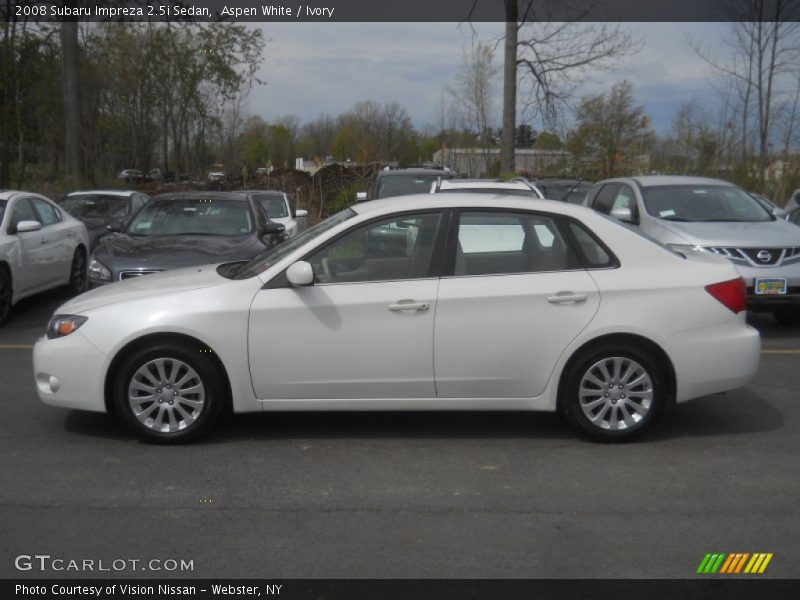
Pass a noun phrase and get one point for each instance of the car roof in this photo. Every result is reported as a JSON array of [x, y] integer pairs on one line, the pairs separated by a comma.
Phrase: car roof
[[484, 183], [9, 194], [273, 192], [413, 171], [104, 193], [242, 196], [661, 180], [469, 200]]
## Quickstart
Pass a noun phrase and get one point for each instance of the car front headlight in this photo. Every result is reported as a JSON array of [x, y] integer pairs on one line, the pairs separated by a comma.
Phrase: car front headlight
[[64, 325], [685, 248], [98, 270]]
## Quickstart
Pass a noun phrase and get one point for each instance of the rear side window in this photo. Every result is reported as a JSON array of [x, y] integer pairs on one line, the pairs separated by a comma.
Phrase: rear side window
[[593, 252], [496, 243]]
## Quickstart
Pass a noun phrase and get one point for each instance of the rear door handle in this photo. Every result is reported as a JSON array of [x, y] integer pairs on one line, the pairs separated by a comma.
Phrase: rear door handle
[[402, 305], [70, 234], [43, 241], [567, 297]]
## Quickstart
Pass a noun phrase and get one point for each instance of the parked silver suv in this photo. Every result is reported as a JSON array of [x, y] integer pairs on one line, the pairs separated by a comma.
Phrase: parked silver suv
[[699, 214]]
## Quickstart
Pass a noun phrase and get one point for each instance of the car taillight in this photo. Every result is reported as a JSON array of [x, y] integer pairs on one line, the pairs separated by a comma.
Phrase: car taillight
[[731, 293]]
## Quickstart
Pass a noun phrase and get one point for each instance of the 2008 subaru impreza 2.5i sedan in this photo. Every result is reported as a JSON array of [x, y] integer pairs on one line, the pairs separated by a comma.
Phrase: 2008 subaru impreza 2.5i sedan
[[453, 302]]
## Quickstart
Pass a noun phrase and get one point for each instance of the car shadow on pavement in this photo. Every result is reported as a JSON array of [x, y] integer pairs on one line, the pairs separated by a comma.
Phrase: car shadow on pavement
[[741, 412], [734, 413]]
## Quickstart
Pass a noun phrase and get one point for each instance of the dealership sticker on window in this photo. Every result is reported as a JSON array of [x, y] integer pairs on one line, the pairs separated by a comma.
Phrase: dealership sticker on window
[[772, 286], [667, 213]]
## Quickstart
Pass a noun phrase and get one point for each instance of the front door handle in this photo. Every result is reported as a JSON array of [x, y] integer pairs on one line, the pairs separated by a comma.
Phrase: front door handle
[[566, 297], [402, 305], [43, 241]]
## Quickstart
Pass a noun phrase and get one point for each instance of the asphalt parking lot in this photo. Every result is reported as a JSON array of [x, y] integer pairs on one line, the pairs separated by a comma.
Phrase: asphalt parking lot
[[404, 495]]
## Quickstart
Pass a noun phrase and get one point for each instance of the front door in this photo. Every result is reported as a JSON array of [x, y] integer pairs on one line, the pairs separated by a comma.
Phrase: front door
[[364, 329]]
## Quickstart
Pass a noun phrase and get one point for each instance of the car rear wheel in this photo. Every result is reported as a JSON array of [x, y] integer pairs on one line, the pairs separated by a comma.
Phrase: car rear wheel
[[169, 393], [789, 316], [77, 272], [614, 393], [6, 292]]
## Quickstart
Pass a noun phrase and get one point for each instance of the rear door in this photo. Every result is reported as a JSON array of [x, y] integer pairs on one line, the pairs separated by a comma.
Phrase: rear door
[[514, 295]]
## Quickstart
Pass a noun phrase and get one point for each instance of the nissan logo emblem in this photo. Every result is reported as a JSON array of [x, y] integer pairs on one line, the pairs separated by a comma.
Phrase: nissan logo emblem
[[764, 256]]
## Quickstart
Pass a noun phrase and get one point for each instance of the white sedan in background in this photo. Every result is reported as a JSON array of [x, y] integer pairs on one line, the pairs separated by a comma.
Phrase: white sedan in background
[[279, 208], [451, 302], [41, 247]]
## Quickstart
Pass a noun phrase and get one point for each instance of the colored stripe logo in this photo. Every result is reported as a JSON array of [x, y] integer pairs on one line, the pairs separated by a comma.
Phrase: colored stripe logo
[[735, 563]]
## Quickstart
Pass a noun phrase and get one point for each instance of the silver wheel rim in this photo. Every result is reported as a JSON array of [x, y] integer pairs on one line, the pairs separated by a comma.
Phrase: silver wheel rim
[[616, 393], [166, 395]]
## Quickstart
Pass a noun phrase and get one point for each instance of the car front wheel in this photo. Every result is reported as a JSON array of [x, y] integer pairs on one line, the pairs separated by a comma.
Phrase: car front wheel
[[77, 272], [169, 393], [614, 394]]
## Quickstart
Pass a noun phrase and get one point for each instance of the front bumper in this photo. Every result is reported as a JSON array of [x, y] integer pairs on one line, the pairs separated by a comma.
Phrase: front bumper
[[792, 274], [70, 372]]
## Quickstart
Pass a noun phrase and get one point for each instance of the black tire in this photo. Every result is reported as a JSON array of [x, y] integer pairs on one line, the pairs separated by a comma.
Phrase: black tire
[[605, 405], [162, 420], [77, 272], [6, 295], [788, 316]]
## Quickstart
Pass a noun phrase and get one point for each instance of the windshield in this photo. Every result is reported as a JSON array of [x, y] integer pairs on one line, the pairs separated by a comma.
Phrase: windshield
[[703, 203], [266, 259], [96, 206], [503, 191], [403, 185], [274, 204], [193, 216]]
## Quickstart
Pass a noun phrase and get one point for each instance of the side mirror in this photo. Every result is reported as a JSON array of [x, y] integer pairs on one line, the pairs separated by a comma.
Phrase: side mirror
[[115, 226], [361, 196], [300, 274], [623, 213], [26, 226], [300, 213], [272, 228]]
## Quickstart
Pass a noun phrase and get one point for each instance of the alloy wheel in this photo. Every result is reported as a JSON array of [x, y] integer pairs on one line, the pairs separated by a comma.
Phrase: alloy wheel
[[166, 395], [616, 393]]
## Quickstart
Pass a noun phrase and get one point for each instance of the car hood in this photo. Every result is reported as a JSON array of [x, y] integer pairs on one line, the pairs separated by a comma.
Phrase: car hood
[[769, 234], [150, 286], [122, 251]]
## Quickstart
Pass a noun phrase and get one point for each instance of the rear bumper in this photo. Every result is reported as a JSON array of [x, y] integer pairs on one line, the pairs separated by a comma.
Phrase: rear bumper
[[714, 359]]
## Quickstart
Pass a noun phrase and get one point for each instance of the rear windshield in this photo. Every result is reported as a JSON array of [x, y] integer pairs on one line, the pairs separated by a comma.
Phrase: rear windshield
[[703, 203], [96, 205], [403, 185]]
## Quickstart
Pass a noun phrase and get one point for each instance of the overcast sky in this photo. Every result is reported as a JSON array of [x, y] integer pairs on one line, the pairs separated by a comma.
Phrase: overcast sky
[[314, 68]]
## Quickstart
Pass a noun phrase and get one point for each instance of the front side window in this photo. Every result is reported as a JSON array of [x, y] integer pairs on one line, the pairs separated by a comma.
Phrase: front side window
[[193, 216], [47, 212], [400, 247], [604, 200], [23, 211], [274, 204], [703, 203], [2, 209], [496, 243]]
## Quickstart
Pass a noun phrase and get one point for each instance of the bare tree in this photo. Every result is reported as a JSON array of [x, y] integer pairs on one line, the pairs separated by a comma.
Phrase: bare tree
[[473, 94], [547, 60], [764, 48]]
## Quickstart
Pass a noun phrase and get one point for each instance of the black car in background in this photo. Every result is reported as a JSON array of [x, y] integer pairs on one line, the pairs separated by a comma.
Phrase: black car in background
[[185, 229], [403, 182], [103, 210]]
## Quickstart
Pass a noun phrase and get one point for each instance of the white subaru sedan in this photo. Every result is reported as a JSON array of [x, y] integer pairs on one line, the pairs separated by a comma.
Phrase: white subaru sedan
[[452, 302]]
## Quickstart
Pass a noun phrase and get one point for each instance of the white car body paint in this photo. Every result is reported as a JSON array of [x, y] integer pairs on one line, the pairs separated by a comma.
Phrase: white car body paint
[[338, 347]]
